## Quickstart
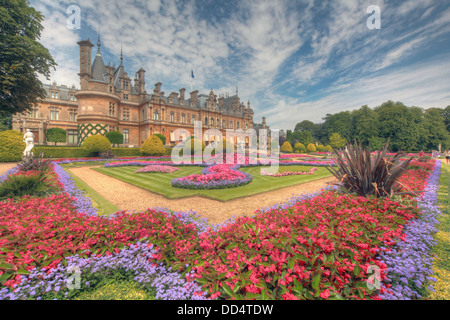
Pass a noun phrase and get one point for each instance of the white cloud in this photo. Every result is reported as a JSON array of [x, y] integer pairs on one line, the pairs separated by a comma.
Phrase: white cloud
[[425, 85]]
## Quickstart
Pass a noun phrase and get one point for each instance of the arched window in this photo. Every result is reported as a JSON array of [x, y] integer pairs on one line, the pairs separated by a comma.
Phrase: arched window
[[206, 121], [156, 115], [172, 117], [212, 122]]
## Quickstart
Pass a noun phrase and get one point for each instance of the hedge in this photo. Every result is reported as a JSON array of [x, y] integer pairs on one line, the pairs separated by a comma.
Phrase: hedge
[[11, 146], [78, 152]]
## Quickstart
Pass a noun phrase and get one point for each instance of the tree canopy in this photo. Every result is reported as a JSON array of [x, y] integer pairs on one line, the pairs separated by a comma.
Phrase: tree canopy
[[115, 137], [22, 57], [56, 135], [409, 128]]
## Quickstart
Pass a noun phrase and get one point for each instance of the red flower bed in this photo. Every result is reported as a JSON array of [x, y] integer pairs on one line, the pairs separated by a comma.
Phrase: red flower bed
[[320, 247], [42, 231]]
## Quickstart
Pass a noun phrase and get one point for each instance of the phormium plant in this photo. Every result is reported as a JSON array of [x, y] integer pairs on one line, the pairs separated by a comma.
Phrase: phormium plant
[[375, 176]]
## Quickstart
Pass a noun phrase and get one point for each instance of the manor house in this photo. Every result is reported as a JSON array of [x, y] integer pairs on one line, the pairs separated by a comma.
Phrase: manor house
[[109, 99]]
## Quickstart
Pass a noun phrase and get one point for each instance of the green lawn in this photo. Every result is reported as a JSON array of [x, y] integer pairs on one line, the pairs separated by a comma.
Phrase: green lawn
[[161, 182], [441, 251], [104, 206]]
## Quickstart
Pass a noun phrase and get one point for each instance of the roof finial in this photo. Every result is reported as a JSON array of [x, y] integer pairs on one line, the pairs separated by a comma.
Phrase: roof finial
[[121, 54], [98, 42]]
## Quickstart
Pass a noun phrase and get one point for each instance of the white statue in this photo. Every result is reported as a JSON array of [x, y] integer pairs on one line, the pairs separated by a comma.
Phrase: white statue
[[28, 138]]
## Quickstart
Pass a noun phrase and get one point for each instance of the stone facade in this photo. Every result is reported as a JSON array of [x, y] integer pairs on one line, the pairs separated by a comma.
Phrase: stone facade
[[109, 99]]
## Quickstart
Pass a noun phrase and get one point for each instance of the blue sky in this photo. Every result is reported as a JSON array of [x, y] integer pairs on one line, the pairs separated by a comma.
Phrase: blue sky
[[294, 60]]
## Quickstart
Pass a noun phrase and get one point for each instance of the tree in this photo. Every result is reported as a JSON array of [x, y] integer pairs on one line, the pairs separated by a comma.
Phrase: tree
[[447, 118], [336, 141], [5, 121], [115, 137], [286, 147], [56, 135], [311, 148], [304, 137], [340, 123], [365, 122], [22, 57], [306, 125], [299, 147], [434, 125]]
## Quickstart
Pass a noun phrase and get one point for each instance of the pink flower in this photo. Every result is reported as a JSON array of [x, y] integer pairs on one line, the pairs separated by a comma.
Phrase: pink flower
[[325, 294]]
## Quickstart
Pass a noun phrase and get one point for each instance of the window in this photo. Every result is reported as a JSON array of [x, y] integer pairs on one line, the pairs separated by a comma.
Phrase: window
[[54, 114], [206, 121], [172, 117], [183, 118], [231, 124], [125, 135], [126, 114], [237, 125], [212, 122], [224, 124], [125, 97], [33, 112], [72, 115], [112, 109], [193, 119], [156, 115], [217, 123], [72, 136]]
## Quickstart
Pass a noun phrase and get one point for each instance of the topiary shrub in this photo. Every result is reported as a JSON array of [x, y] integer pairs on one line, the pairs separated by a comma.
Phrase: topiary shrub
[[192, 140], [299, 147], [96, 144], [320, 148], [162, 137], [311, 148], [153, 146], [11, 146], [328, 148], [286, 147], [115, 137]]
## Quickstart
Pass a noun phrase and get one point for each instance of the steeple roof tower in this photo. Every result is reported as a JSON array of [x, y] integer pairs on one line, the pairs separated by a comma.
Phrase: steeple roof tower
[[98, 67]]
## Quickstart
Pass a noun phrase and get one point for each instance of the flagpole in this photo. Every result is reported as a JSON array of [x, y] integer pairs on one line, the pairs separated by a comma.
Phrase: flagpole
[[192, 76]]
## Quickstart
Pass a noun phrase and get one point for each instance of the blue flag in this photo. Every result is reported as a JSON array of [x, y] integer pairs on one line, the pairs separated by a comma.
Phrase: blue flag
[[192, 74]]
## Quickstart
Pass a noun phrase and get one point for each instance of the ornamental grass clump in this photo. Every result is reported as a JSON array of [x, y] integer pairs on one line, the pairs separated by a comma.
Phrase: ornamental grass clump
[[30, 163], [35, 184], [358, 172]]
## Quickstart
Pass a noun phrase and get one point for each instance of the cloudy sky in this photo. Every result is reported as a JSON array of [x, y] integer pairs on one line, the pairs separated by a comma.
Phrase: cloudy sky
[[294, 60]]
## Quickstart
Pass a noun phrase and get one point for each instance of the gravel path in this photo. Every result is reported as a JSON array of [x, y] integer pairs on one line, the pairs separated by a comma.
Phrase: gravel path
[[5, 166], [128, 197]]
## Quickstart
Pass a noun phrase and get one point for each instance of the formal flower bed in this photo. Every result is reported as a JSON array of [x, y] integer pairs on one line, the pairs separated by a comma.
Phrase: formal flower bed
[[157, 169], [289, 173], [316, 246], [214, 177]]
